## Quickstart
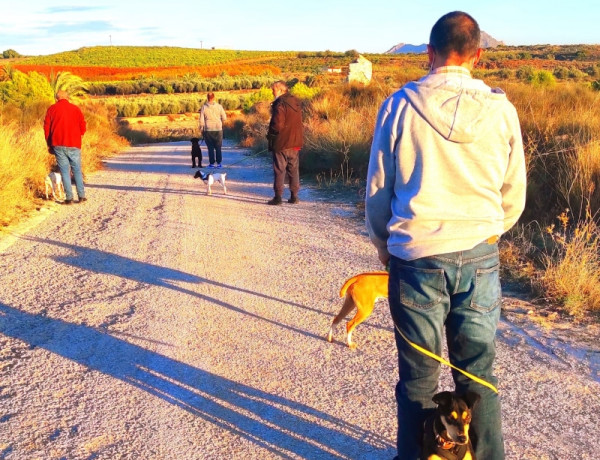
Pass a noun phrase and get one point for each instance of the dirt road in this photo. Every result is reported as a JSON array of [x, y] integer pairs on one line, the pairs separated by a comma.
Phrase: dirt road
[[155, 322]]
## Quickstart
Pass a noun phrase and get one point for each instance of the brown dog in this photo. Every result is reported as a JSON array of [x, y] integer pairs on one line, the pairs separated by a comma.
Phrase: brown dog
[[361, 292]]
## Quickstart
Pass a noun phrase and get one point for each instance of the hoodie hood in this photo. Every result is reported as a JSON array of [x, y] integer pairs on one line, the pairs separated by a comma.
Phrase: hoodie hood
[[456, 106]]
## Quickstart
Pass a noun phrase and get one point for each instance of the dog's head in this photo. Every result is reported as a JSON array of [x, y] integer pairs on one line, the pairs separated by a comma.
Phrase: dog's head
[[194, 140], [201, 175], [455, 413]]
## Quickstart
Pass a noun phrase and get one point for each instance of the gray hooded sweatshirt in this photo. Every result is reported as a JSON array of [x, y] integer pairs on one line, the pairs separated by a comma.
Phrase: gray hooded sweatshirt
[[212, 117], [447, 168]]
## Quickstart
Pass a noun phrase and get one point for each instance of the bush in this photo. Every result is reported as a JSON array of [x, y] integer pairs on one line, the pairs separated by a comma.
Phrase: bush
[[150, 108], [130, 109], [561, 73], [302, 91], [10, 53], [543, 78], [525, 73], [263, 95]]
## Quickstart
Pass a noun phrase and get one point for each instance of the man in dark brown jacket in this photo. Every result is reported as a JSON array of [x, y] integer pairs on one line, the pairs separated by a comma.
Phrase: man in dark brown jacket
[[285, 138]]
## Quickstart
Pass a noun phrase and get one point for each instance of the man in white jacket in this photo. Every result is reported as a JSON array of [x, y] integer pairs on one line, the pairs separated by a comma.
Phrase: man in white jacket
[[212, 116], [446, 178]]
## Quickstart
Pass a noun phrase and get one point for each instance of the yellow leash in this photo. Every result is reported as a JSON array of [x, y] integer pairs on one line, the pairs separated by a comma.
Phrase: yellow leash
[[447, 363]]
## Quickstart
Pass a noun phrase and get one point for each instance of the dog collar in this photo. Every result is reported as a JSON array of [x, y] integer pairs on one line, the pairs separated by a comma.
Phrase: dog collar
[[443, 443]]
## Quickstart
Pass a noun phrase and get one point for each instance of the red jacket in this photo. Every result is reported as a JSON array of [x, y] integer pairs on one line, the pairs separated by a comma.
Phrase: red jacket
[[64, 125]]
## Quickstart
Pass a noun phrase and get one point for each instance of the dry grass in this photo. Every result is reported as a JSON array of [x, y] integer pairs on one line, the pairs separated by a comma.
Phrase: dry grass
[[24, 164], [572, 265], [25, 161]]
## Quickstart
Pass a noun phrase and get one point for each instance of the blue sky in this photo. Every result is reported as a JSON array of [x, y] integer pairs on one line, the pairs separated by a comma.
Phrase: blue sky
[[34, 27]]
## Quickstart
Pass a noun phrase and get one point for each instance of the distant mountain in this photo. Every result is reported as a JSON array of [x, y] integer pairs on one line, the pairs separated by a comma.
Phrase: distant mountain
[[487, 41], [403, 48]]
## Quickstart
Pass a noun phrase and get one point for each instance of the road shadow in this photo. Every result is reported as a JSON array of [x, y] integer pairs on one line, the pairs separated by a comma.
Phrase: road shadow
[[248, 173], [282, 426], [97, 261]]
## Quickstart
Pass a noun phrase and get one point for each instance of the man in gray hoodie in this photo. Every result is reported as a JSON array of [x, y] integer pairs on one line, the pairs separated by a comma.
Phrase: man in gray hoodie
[[212, 117], [446, 178]]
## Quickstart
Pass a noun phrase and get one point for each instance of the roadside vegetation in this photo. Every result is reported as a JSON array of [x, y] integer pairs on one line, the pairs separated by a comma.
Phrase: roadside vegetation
[[24, 157], [554, 250]]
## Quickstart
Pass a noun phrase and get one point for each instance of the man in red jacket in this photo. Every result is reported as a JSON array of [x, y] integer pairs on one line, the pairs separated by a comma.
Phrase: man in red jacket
[[285, 138], [64, 126]]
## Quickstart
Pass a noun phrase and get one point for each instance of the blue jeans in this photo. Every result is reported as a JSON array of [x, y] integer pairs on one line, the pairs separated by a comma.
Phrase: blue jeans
[[459, 292], [70, 158]]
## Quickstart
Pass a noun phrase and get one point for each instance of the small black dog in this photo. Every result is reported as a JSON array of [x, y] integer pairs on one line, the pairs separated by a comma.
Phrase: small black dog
[[446, 432], [196, 152]]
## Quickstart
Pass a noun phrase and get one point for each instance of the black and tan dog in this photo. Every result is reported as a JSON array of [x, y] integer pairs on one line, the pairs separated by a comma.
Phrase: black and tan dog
[[361, 291], [196, 152], [446, 432]]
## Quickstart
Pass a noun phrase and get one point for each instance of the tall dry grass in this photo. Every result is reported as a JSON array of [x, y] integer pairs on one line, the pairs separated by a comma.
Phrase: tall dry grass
[[561, 132], [25, 161], [339, 129], [571, 262]]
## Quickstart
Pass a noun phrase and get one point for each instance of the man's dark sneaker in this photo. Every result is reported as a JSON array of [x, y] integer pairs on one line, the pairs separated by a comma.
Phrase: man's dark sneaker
[[68, 202], [219, 165], [211, 165], [81, 200], [294, 199], [274, 201]]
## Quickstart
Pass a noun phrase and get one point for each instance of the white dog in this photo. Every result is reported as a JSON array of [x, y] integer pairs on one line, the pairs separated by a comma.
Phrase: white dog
[[54, 182], [211, 178]]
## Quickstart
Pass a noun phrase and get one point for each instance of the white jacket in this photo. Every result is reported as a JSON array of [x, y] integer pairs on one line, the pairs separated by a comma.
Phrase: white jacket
[[447, 168]]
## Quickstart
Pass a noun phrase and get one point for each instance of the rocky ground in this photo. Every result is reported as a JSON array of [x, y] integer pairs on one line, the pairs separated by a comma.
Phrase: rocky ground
[[154, 321]]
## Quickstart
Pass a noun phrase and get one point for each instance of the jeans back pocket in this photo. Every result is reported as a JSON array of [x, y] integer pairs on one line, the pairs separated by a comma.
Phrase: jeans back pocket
[[487, 294], [421, 288]]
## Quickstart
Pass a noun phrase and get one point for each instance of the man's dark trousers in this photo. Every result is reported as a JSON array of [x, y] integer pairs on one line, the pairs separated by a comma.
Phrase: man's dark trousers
[[285, 163], [214, 140]]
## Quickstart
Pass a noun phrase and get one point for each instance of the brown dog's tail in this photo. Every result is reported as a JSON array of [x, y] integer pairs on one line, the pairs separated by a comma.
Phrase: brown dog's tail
[[352, 280]]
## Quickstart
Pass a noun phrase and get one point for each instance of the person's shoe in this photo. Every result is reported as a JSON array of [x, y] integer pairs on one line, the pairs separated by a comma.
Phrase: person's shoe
[[219, 165], [276, 200], [294, 200], [193, 166], [81, 200], [211, 165], [68, 202]]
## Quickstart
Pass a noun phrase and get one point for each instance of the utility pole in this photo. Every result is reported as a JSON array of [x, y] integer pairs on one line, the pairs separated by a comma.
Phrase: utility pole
[[110, 38], [200, 44]]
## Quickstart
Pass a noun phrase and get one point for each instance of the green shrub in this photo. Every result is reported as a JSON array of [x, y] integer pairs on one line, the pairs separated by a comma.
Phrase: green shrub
[[561, 73], [264, 94], [525, 72], [543, 78], [130, 109], [302, 91], [150, 108], [10, 53]]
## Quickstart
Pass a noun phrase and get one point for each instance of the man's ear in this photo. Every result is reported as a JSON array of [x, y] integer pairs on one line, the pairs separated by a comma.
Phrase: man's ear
[[477, 56], [431, 55]]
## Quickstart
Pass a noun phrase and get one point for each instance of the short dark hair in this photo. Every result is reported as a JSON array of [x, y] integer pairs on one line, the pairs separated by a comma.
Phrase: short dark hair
[[455, 32]]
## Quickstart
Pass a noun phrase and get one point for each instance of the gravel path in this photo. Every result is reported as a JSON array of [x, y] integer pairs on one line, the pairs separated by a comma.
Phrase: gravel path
[[155, 322]]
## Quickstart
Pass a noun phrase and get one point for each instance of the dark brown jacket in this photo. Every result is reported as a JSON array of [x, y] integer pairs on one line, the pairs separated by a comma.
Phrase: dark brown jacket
[[285, 129]]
